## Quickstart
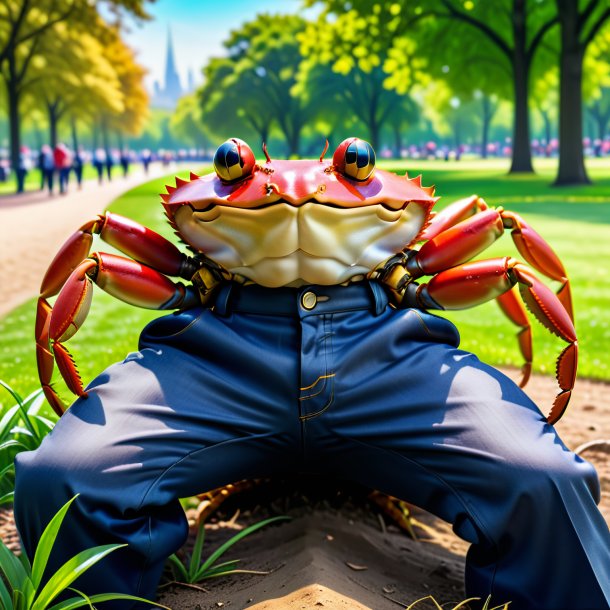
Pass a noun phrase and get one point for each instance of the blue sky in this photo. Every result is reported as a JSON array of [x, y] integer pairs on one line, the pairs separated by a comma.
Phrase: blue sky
[[198, 29]]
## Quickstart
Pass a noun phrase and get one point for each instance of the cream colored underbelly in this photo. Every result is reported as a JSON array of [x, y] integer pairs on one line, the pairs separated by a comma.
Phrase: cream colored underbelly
[[286, 245]]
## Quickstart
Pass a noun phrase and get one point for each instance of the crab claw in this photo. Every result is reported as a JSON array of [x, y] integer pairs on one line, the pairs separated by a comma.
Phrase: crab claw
[[551, 312], [473, 283]]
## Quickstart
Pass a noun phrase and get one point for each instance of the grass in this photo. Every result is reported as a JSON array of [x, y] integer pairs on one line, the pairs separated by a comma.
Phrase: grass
[[195, 569], [575, 220], [22, 587]]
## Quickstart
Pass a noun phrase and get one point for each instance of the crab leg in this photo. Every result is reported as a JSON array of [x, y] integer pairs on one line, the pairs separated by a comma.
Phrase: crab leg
[[128, 236], [467, 227], [123, 278], [452, 214], [514, 310], [537, 252], [474, 283]]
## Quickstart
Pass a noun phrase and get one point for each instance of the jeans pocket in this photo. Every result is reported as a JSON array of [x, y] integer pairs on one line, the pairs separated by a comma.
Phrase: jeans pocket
[[171, 325]]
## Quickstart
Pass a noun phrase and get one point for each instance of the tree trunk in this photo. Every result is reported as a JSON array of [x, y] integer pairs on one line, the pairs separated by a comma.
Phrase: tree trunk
[[14, 125], [74, 135], [486, 124], [14, 118], [374, 133], [397, 142], [571, 155], [522, 153], [52, 125]]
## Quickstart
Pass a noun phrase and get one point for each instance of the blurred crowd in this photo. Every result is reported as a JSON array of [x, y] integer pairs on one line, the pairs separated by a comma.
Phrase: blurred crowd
[[60, 167], [540, 148]]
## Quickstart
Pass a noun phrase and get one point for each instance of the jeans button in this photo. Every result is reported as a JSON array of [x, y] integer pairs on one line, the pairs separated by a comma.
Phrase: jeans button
[[309, 300]]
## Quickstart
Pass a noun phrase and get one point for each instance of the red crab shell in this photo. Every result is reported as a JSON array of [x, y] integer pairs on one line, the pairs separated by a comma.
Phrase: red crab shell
[[297, 182]]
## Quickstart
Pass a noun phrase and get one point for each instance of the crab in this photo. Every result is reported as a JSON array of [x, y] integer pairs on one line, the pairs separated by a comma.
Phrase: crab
[[299, 222]]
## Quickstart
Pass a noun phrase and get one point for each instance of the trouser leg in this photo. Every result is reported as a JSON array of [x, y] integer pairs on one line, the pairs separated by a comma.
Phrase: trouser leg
[[193, 410], [417, 418]]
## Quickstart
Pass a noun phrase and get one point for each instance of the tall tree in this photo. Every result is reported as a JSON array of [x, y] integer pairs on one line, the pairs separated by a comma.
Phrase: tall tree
[[73, 77], [233, 106], [514, 28], [372, 73], [580, 23], [266, 52], [23, 24]]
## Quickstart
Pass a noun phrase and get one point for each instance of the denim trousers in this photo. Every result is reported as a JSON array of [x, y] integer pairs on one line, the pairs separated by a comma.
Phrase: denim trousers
[[326, 380]]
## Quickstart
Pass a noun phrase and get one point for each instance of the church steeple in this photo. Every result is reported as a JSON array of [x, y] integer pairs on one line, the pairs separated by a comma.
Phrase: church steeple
[[173, 88]]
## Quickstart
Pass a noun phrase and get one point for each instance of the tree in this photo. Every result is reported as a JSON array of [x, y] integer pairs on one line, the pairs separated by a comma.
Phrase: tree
[[527, 25], [23, 24], [373, 74], [187, 124], [131, 83], [599, 109], [266, 53], [72, 76], [580, 23], [230, 105]]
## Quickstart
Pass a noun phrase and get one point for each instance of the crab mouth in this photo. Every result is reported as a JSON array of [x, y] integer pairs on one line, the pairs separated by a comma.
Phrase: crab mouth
[[280, 244], [212, 211]]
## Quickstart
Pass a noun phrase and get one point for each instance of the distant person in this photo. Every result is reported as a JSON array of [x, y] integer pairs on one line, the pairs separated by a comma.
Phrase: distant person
[[47, 167], [99, 162], [125, 159], [77, 165], [63, 163], [109, 165], [23, 167], [146, 159]]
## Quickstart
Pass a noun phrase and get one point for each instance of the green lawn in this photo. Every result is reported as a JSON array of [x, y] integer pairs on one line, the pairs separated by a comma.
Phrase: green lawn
[[576, 221]]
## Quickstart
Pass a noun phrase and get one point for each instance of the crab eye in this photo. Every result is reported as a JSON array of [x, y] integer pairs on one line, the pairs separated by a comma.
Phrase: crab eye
[[355, 158], [233, 160]]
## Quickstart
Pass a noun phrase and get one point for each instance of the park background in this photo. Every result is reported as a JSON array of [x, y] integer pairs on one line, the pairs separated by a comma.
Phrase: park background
[[509, 99]]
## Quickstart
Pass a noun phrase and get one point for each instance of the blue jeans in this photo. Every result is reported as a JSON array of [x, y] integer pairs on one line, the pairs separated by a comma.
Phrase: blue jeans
[[346, 386]]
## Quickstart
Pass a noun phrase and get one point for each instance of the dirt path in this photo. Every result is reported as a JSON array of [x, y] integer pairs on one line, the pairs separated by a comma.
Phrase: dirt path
[[33, 226]]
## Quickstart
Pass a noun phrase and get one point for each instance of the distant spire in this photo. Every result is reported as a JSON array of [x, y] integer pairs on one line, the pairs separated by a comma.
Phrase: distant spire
[[173, 88]]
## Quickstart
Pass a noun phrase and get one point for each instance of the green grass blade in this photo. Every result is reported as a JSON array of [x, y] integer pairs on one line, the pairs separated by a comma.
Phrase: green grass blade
[[179, 569], [47, 540], [229, 543], [34, 402], [78, 602], [6, 469], [216, 570], [12, 443], [7, 498], [70, 571], [12, 392], [8, 421], [195, 561], [12, 568], [6, 602], [20, 403]]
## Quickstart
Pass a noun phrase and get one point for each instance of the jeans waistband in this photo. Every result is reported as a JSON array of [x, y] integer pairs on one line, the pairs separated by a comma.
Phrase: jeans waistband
[[300, 302]]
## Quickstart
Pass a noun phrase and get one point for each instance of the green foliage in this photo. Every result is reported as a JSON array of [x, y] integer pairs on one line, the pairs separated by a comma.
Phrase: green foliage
[[22, 428], [253, 86], [194, 569], [21, 587]]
